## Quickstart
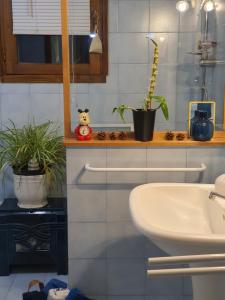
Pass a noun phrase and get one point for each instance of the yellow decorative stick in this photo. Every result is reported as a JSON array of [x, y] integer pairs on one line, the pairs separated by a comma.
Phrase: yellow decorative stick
[[154, 73]]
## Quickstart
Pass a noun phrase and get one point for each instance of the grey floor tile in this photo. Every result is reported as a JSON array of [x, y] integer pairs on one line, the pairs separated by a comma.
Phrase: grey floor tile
[[13, 286], [7, 280]]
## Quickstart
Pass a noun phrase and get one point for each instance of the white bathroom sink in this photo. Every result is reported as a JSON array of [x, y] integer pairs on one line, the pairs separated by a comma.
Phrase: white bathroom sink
[[180, 218]]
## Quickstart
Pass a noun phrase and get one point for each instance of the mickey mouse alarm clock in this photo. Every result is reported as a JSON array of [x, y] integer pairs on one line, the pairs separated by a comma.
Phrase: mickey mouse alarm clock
[[83, 131]]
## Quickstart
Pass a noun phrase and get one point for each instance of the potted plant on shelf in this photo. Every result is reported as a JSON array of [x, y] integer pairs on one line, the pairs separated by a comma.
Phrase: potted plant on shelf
[[37, 157], [144, 117]]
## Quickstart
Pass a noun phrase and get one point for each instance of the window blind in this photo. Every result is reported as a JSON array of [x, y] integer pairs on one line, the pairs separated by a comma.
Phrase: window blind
[[44, 17]]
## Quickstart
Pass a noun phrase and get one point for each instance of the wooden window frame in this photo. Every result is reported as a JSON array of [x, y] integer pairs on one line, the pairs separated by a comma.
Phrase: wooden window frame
[[13, 72]]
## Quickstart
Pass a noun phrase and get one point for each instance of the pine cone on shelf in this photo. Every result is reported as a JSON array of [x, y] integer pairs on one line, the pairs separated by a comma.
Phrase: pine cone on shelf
[[169, 136], [122, 135], [180, 136], [101, 135], [112, 136]]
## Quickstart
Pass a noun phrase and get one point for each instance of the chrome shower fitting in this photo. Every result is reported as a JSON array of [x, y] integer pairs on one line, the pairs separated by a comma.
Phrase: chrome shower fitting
[[207, 49], [206, 45], [211, 62]]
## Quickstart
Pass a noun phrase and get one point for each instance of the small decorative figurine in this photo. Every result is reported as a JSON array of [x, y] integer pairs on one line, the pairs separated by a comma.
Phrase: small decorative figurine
[[169, 136], [101, 135], [83, 131]]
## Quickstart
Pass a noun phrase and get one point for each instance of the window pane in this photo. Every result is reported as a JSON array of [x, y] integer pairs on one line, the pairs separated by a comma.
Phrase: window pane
[[47, 49]]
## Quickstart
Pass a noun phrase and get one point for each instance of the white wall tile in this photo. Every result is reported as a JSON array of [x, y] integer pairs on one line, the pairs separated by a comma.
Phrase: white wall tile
[[113, 15], [47, 107], [187, 286], [163, 16], [17, 108], [128, 48], [126, 277], [213, 158], [127, 158], [76, 160], [166, 82], [79, 88], [124, 241], [101, 107], [166, 157], [118, 203], [164, 286], [126, 298], [88, 275], [167, 298], [133, 16], [189, 20], [111, 85], [86, 204], [187, 43], [15, 88], [133, 78], [86, 240], [46, 88]]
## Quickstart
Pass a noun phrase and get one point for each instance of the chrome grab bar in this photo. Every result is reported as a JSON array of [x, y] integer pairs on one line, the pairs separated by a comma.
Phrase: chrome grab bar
[[94, 169], [187, 259], [186, 271]]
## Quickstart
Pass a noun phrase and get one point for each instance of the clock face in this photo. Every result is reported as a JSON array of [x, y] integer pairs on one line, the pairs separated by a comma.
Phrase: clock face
[[84, 130]]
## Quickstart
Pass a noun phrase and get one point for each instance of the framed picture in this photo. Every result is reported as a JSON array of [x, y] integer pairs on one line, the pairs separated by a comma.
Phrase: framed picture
[[209, 106]]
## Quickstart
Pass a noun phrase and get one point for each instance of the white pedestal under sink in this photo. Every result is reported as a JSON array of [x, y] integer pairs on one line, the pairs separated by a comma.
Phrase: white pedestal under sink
[[182, 220]]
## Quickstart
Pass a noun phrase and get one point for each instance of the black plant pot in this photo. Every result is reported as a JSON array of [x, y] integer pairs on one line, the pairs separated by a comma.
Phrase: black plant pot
[[144, 122]]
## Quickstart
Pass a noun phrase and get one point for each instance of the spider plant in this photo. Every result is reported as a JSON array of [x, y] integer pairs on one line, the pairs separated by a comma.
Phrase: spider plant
[[38, 145]]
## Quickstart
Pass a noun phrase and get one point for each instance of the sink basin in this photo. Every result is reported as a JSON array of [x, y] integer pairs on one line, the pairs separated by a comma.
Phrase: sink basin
[[182, 220]]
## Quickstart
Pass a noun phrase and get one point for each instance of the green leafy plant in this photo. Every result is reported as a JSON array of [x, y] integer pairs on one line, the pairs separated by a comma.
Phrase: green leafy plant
[[150, 98], [37, 145]]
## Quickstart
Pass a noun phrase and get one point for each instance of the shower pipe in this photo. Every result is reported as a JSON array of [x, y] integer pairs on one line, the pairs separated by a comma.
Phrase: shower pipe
[[202, 168], [187, 259]]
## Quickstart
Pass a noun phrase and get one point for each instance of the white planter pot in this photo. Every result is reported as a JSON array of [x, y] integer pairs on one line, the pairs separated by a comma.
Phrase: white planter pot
[[31, 191]]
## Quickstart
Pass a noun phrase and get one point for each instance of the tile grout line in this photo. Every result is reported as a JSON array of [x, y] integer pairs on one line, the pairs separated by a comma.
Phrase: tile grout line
[[12, 282]]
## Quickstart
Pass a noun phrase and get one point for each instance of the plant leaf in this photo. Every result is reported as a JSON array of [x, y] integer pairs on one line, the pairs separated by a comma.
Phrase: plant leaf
[[162, 104], [121, 110]]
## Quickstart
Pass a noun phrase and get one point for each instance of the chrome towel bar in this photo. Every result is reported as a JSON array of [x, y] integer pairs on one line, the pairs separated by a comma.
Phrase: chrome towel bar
[[93, 169], [186, 271], [202, 270], [186, 259]]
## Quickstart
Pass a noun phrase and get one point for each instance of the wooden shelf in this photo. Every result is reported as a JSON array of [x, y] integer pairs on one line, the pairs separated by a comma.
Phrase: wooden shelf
[[158, 141]]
